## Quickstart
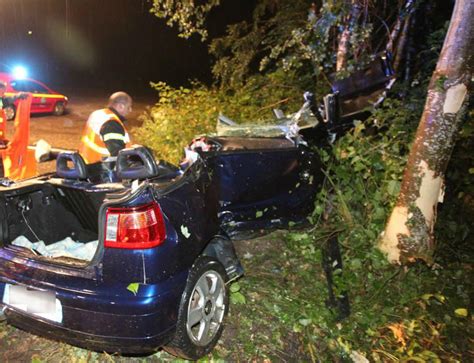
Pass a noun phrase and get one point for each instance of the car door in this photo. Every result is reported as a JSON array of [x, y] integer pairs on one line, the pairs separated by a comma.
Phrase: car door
[[265, 183], [41, 101], [363, 89]]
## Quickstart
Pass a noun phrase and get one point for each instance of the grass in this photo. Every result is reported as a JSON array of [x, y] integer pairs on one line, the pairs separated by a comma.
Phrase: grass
[[279, 313]]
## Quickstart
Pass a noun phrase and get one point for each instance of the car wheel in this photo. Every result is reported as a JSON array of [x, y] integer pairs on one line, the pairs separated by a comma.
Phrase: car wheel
[[58, 109], [10, 112], [203, 306]]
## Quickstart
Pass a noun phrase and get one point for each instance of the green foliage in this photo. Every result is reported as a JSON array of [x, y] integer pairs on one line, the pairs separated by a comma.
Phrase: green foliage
[[133, 287], [183, 113], [420, 314], [178, 116], [188, 15], [240, 52], [282, 35], [295, 35], [366, 168], [236, 296], [397, 315]]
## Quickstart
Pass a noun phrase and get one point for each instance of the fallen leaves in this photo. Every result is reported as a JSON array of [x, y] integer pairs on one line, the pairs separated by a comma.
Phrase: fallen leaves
[[398, 333]]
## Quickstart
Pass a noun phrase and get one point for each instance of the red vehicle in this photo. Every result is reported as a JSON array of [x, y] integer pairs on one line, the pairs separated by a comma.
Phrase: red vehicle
[[45, 100]]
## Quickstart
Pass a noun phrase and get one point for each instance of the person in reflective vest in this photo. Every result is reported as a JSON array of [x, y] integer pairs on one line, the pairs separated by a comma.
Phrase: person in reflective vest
[[105, 133]]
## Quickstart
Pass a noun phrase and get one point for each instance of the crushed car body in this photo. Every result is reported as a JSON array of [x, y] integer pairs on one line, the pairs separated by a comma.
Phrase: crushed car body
[[133, 254], [160, 235]]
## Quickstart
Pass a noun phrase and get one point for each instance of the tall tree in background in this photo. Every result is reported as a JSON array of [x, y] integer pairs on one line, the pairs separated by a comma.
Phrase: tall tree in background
[[399, 34], [313, 39], [343, 44], [409, 231]]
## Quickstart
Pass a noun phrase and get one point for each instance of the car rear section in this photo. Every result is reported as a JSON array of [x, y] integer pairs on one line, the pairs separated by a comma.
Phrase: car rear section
[[137, 243]]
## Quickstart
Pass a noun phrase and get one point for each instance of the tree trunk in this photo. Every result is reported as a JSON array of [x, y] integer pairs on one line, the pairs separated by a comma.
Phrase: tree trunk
[[410, 51], [343, 44], [401, 44], [394, 34], [407, 8], [409, 232]]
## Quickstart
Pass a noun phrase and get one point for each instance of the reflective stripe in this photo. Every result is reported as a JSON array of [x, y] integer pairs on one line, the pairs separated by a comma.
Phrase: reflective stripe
[[92, 147], [98, 118], [115, 136], [95, 147], [46, 95]]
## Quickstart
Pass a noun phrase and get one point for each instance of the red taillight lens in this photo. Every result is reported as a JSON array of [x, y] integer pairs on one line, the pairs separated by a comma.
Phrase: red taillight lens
[[135, 228]]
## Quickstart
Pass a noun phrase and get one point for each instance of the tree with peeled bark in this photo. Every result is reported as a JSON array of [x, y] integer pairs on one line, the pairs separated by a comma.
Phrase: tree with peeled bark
[[343, 44], [408, 235]]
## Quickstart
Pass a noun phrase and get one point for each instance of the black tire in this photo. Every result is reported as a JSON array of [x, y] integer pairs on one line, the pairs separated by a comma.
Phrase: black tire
[[59, 109], [10, 112], [208, 307]]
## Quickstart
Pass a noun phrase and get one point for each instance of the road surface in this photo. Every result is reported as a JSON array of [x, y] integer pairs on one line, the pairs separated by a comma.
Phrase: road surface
[[65, 131]]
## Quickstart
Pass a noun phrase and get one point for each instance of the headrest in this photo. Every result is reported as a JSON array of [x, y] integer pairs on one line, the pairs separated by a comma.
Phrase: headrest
[[136, 163], [76, 171]]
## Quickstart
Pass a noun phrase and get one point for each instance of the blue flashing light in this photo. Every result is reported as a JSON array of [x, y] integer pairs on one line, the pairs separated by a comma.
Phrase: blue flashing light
[[19, 72]]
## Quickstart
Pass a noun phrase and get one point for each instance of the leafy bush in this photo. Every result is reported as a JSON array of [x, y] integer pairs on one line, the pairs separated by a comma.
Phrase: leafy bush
[[411, 314], [176, 118], [183, 113], [416, 314]]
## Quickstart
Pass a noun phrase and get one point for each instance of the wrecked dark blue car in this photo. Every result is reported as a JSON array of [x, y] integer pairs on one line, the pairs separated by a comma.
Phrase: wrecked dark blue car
[[136, 254], [139, 257]]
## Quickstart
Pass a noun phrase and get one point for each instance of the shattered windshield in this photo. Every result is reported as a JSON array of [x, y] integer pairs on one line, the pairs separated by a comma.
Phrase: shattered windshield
[[287, 126]]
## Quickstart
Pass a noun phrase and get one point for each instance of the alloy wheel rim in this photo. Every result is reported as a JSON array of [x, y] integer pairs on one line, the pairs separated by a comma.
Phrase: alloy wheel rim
[[59, 108], [206, 308]]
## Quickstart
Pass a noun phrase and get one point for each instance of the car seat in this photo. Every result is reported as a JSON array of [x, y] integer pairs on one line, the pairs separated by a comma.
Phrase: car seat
[[71, 165]]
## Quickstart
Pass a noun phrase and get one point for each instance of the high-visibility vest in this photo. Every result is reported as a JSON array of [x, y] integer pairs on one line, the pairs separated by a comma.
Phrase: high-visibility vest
[[93, 147]]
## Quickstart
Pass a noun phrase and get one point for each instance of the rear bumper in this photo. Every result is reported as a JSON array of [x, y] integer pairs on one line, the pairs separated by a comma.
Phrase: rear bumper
[[130, 345], [135, 325]]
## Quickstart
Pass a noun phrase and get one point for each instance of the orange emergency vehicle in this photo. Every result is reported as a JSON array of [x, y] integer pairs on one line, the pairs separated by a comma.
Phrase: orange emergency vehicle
[[18, 160], [44, 99]]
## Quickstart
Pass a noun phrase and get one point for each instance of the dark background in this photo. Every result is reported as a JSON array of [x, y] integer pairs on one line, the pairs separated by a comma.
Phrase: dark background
[[105, 43]]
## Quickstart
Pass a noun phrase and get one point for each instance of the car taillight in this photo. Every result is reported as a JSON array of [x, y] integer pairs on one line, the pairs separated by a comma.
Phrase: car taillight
[[134, 227]]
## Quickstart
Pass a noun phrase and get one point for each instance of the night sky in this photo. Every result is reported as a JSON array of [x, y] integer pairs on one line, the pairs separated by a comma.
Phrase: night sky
[[97, 43]]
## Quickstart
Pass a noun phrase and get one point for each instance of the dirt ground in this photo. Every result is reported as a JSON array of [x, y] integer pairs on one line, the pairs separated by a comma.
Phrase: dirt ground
[[65, 131]]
